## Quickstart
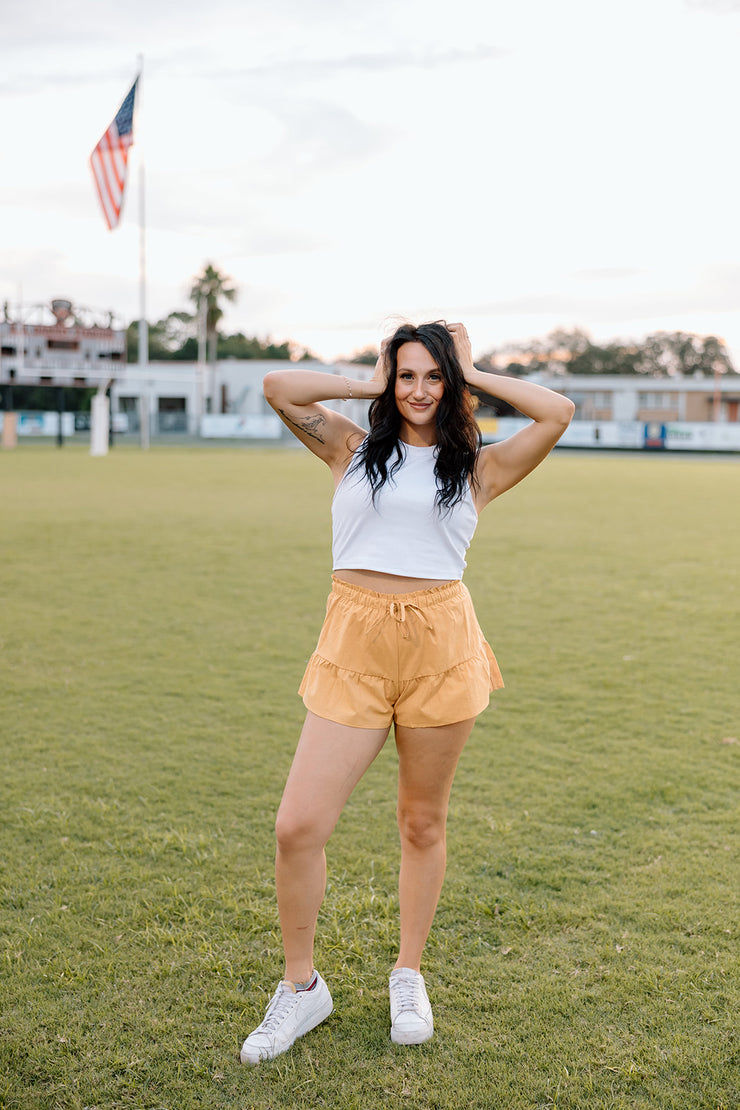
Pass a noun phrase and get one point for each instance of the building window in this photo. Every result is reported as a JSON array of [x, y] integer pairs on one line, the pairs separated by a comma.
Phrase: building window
[[658, 400], [172, 414]]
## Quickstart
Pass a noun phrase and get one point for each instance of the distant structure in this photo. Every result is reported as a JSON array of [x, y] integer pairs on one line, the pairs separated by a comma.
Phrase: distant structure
[[65, 345], [680, 398], [60, 345], [225, 400]]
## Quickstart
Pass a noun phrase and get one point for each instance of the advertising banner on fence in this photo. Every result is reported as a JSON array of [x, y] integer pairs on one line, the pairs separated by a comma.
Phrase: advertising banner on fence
[[703, 437], [654, 435]]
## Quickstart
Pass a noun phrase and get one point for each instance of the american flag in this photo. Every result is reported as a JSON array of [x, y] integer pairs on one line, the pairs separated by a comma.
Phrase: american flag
[[108, 160]]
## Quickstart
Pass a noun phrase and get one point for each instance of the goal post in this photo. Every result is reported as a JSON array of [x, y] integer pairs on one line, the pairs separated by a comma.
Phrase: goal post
[[99, 423]]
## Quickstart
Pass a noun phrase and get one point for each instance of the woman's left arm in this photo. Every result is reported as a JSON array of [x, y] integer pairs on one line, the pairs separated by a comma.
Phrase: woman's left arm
[[501, 465]]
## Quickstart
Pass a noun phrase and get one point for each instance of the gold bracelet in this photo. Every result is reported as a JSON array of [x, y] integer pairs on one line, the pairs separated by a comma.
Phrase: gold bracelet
[[349, 388]]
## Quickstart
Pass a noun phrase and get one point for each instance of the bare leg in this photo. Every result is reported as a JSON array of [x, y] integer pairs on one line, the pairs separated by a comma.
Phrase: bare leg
[[428, 759], [329, 762]]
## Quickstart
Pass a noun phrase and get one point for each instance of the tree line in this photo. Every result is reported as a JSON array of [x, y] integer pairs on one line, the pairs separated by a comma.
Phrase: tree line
[[661, 354], [175, 337]]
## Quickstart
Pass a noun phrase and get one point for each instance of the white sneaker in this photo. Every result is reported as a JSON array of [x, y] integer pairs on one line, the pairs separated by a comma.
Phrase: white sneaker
[[411, 1014], [291, 1013]]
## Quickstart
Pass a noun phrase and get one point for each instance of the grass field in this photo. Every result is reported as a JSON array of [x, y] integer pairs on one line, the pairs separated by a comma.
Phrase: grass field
[[157, 611]]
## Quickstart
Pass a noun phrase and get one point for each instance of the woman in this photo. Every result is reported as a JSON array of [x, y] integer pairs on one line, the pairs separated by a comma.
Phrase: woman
[[400, 644]]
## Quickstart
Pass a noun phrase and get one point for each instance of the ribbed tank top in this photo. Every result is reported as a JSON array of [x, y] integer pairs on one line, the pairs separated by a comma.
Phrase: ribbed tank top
[[404, 532]]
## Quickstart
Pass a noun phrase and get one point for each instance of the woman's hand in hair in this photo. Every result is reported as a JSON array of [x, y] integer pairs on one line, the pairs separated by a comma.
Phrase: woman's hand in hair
[[463, 349], [379, 380]]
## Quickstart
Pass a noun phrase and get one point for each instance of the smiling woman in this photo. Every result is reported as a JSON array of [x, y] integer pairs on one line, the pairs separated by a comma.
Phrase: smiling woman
[[419, 389], [401, 645]]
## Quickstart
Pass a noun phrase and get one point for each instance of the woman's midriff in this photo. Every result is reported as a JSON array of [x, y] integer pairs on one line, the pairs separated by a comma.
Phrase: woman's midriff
[[383, 583]]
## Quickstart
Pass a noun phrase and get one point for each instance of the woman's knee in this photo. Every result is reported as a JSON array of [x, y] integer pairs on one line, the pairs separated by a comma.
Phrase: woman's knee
[[299, 832], [422, 828]]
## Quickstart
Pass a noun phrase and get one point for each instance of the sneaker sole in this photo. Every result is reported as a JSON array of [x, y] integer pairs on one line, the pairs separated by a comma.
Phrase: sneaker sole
[[411, 1038], [316, 1019]]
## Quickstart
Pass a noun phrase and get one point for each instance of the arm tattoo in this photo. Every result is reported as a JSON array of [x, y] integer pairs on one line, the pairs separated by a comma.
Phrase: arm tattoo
[[310, 425]]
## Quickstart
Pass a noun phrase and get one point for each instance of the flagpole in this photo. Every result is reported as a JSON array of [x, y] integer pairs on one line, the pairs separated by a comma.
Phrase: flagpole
[[143, 326], [108, 163]]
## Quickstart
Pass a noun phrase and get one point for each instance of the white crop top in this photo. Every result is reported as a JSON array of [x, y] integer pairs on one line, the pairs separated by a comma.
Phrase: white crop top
[[404, 532]]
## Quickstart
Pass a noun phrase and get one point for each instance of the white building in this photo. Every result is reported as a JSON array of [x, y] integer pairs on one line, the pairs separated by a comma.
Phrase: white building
[[225, 401], [633, 397], [629, 411]]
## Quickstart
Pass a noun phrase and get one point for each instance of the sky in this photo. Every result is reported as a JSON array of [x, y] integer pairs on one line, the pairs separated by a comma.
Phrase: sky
[[519, 166]]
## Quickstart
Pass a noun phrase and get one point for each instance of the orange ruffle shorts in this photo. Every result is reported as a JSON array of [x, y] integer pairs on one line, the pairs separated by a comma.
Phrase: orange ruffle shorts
[[419, 659]]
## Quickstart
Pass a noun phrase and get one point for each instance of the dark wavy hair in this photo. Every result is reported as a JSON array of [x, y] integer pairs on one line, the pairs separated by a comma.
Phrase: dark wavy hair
[[458, 436]]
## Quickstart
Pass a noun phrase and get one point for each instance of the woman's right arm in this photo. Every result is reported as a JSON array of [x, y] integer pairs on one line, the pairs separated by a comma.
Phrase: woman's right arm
[[295, 395]]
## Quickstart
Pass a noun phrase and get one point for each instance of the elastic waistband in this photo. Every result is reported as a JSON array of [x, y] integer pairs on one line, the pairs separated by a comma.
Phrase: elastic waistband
[[419, 599]]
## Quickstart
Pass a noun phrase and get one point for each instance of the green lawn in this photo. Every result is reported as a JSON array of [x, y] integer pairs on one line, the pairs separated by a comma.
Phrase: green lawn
[[157, 611]]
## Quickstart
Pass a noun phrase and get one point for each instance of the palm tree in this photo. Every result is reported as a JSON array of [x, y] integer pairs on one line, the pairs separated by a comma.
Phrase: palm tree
[[210, 287]]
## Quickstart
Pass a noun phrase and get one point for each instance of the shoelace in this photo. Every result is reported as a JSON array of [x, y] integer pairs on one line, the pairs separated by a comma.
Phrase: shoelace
[[282, 1003], [406, 994]]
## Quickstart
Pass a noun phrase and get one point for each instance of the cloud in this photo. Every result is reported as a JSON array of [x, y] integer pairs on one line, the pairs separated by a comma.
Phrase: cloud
[[20, 270], [249, 229], [89, 23], [608, 273], [318, 138], [264, 240], [29, 84], [67, 200], [48, 65], [705, 297], [370, 62], [294, 69], [719, 7]]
